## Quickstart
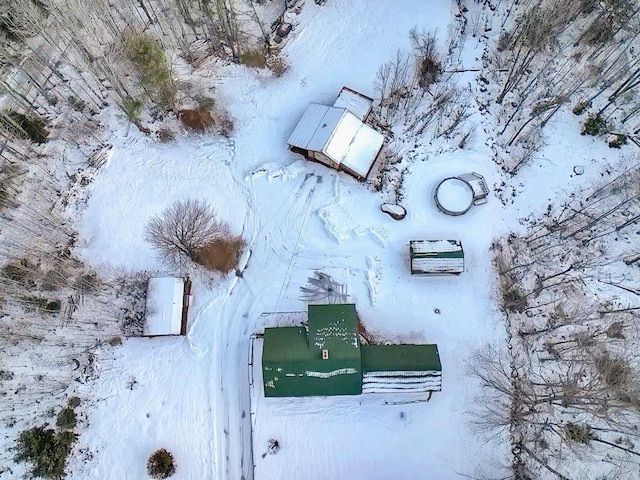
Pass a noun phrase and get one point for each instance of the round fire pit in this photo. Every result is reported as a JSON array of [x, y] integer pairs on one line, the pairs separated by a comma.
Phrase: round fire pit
[[453, 196]]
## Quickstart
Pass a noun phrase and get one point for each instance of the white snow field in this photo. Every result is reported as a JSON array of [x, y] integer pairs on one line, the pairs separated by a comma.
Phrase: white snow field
[[191, 394]]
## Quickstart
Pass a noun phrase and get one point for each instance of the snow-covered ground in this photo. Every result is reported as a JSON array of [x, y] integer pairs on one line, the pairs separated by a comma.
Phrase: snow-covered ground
[[191, 395]]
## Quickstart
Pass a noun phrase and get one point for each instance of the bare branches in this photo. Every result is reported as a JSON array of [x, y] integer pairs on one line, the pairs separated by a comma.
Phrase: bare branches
[[571, 353], [393, 84], [188, 231], [545, 58]]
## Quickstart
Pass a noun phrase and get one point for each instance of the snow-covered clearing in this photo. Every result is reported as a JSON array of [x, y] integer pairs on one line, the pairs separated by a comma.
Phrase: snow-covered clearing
[[191, 394], [297, 217]]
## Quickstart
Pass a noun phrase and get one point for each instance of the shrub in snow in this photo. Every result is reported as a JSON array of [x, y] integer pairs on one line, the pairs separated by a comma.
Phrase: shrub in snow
[[618, 141], [253, 58], [428, 62], [198, 120], [273, 448], [600, 31], [35, 303], [131, 108], [8, 192], [514, 300], [277, 64], [21, 271], [594, 125], [160, 464], [46, 450], [206, 116], [165, 135], [615, 372], [578, 433], [224, 124], [189, 231], [220, 255], [581, 107], [66, 418]]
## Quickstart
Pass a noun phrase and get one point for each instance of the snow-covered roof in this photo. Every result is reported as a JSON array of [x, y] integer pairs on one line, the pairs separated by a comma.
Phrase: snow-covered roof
[[354, 144], [363, 150], [165, 297], [355, 102], [435, 246], [478, 184], [436, 257], [315, 127], [340, 135], [343, 134]]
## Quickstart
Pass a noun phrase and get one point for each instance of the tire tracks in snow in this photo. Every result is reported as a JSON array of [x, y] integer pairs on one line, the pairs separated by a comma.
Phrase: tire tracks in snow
[[236, 321]]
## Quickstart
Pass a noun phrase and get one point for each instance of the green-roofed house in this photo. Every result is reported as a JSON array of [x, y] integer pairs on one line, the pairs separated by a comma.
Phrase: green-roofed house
[[322, 359], [326, 358], [436, 257]]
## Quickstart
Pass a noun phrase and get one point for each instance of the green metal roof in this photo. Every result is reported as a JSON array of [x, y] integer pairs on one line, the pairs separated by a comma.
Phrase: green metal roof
[[292, 363], [334, 327], [386, 358], [286, 344]]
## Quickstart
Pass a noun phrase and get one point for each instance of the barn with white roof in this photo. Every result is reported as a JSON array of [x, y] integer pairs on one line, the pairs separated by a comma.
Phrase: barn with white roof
[[166, 307], [337, 135]]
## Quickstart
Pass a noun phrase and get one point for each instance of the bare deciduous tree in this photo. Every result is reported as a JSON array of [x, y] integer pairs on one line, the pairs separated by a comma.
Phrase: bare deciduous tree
[[183, 230]]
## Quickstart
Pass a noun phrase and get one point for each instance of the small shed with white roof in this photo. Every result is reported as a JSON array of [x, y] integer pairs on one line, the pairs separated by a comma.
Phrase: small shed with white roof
[[166, 307], [436, 257], [337, 135]]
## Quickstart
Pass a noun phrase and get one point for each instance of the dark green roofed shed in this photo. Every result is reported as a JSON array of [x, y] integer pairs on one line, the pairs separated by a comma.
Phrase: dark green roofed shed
[[436, 257]]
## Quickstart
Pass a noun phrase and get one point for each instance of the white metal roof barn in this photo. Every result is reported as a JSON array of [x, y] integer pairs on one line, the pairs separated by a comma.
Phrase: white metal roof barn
[[337, 135], [165, 312]]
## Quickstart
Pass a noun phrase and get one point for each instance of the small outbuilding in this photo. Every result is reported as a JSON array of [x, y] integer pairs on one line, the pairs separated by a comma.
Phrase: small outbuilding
[[357, 103], [166, 306], [436, 257], [337, 136]]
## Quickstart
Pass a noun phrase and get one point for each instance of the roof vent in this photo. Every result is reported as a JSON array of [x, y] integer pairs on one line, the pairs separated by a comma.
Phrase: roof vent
[[325, 354]]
